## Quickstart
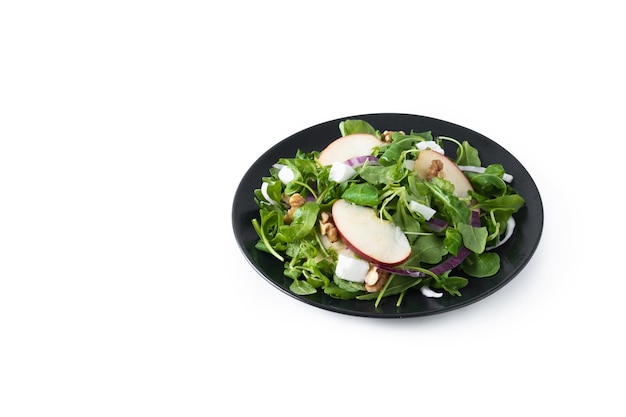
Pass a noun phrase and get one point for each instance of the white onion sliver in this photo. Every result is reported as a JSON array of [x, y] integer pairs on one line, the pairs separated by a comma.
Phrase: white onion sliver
[[422, 209], [510, 226], [507, 178], [471, 168], [264, 186], [427, 292], [430, 144], [480, 170]]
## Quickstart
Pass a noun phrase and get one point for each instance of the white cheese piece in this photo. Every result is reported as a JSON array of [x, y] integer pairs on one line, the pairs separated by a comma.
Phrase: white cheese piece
[[340, 172], [286, 175], [430, 144], [351, 268]]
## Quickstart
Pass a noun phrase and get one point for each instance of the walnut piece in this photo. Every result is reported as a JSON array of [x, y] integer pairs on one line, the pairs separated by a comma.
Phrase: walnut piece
[[435, 168], [295, 201], [386, 135], [375, 279], [328, 228]]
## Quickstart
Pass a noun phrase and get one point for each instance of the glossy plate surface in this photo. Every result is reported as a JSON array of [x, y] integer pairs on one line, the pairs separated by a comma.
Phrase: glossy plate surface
[[514, 254]]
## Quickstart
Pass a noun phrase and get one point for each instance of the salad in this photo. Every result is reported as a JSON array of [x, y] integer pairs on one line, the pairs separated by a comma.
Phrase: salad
[[381, 214]]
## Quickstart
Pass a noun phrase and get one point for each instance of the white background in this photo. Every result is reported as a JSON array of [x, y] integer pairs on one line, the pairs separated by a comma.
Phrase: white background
[[125, 127]]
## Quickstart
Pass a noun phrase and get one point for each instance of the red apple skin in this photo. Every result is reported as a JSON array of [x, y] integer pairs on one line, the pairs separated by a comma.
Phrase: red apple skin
[[350, 146], [450, 171], [371, 238]]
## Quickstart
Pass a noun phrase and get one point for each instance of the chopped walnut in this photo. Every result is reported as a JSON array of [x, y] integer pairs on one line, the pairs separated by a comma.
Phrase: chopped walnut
[[295, 201], [328, 228], [375, 279], [435, 168], [386, 135]]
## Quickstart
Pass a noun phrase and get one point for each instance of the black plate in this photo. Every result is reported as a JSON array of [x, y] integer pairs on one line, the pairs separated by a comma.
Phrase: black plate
[[514, 254]]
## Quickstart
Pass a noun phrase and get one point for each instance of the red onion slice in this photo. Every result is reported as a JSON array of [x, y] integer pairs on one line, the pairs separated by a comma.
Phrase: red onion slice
[[358, 161], [436, 225]]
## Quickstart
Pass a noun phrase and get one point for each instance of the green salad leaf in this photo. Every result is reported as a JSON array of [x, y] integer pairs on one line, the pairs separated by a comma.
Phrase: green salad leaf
[[299, 236]]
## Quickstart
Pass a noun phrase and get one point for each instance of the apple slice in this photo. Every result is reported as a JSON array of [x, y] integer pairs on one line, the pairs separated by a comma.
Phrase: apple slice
[[350, 146], [449, 171], [371, 238]]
